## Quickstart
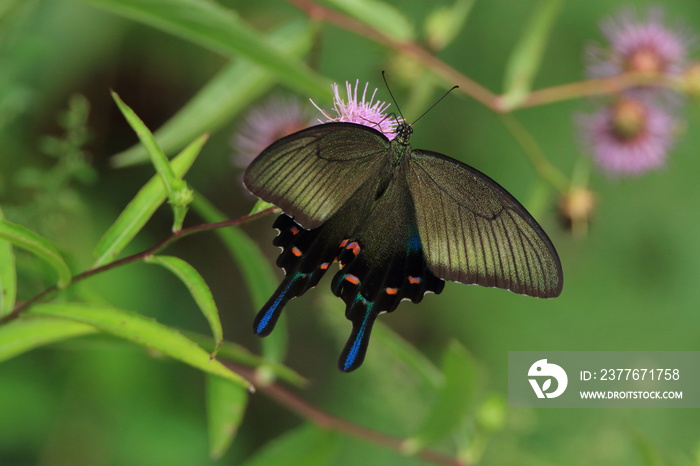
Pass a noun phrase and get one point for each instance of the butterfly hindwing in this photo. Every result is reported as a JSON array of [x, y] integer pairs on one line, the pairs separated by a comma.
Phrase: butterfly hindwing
[[382, 263], [473, 231], [310, 174], [305, 257]]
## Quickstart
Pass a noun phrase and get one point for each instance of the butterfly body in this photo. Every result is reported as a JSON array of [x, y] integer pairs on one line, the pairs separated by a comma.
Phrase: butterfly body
[[399, 222]]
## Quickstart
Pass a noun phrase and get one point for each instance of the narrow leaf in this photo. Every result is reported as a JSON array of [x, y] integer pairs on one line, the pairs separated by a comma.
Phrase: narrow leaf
[[220, 29], [199, 290], [179, 195], [445, 22], [390, 342], [235, 352], [452, 401], [37, 245], [8, 276], [526, 58], [226, 403], [233, 89], [380, 15], [142, 331], [141, 208], [260, 280], [158, 158], [304, 446], [28, 332]]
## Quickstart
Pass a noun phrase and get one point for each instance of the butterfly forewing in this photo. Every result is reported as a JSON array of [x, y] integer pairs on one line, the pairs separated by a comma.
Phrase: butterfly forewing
[[312, 173], [473, 231]]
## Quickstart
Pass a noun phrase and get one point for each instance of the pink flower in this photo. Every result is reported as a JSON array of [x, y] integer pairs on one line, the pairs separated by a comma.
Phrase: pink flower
[[629, 137], [641, 45], [264, 124], [363, 112]]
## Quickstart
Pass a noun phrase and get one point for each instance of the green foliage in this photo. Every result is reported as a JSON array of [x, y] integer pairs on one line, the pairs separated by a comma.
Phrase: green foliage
[[179, 195], [92, 341], [140, 209], [226, 404], [527, 55], [199, 290], [229, 92], [37, 245]]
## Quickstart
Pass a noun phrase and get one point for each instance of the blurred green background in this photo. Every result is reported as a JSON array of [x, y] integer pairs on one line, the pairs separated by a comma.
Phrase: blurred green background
[[630, 284]]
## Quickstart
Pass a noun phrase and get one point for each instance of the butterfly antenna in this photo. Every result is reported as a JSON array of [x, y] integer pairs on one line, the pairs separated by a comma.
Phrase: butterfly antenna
[[398, 109], [437, 102]]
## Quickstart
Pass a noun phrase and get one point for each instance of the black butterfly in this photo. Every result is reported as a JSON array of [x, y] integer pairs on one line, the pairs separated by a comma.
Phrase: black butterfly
[[399, 221]]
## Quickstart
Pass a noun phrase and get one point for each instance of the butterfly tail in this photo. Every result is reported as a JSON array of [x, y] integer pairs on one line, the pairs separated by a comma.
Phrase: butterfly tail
[[305, 257], [364, 314]]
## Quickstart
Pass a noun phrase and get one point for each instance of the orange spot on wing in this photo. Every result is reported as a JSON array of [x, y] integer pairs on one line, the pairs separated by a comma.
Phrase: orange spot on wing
[[352, 279], [343, 243], [354, 247], [391, 291], [294, 230], [296, 251], [414, 280], [324, 266]]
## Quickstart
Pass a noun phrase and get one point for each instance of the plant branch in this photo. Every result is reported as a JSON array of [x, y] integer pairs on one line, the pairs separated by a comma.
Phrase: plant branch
[[412, 49], [593, 87], [307, 411], [475, 90], [175, 236]]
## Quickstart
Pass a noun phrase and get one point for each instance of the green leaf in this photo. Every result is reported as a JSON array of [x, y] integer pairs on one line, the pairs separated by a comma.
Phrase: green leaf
[[381, 16], [233, 89], [142, 331], [445, 22], [304, 446], [141, 208], [391, 343], [219, 29], [234, 352], [37, 245], [199, 290], [453, 399], [8, 276], [259, 278], [527, 55], [226, 403], [28, 332], [179, 195]]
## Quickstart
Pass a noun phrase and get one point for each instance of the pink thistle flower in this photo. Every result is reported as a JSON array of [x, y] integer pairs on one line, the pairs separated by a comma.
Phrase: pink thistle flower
[[264, 124], [630, 137], [641, 45], [363, 112]]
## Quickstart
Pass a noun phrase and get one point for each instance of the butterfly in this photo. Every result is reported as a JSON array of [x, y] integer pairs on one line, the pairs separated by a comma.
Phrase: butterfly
[[399, 221]]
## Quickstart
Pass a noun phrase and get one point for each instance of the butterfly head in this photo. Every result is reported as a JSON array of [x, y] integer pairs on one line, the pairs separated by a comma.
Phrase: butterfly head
[[403, 133]]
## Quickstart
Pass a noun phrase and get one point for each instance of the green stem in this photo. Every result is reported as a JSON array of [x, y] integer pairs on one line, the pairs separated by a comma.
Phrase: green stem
[[535, 155]]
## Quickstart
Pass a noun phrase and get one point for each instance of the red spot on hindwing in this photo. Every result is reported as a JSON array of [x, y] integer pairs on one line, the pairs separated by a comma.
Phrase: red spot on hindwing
[[352, 279], [354, 247]]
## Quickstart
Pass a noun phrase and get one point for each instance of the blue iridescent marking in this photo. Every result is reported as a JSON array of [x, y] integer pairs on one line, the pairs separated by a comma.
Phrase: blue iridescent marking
[[414, 243], [357, 344], [270, 312]]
